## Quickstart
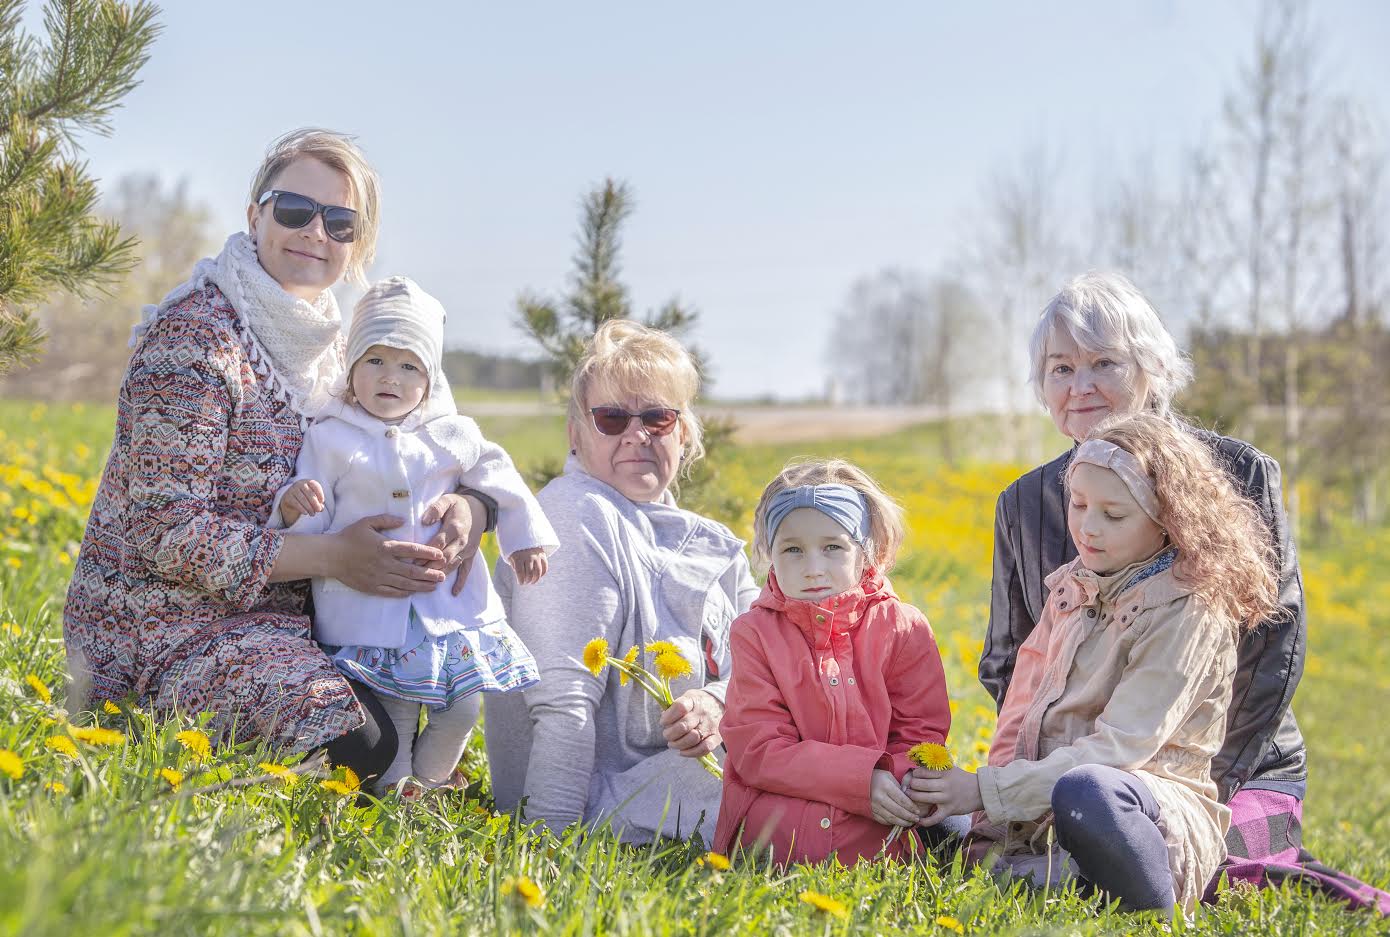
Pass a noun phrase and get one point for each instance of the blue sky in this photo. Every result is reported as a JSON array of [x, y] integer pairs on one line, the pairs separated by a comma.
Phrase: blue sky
[[777, 150]]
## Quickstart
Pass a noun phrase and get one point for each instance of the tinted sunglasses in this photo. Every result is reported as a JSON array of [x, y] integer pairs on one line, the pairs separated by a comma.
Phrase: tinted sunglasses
[[614, 421], [293, 210]]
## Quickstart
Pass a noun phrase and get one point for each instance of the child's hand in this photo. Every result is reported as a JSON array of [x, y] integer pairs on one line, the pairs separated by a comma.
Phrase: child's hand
[[953, 792], [890, 805], [304, 497], [530, 565]]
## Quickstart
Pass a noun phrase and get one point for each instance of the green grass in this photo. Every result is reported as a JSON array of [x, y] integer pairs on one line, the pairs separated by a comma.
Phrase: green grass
[[120, 852]]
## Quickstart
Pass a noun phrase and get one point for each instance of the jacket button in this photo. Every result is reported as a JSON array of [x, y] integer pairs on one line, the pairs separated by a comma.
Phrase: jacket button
[[1090, 613], [834, 681], [820, 618], [825, 823], [400, 493], [392, 432], [851, 681]]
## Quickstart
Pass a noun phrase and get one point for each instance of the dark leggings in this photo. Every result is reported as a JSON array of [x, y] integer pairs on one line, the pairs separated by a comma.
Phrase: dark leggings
[[369, 748], [1108, 820]]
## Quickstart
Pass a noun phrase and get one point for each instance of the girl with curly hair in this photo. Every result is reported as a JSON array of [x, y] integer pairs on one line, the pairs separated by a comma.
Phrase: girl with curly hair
[[1119, 697]]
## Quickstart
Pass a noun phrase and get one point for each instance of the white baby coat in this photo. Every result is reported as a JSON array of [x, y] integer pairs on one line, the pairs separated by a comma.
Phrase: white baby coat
[[367, 467]]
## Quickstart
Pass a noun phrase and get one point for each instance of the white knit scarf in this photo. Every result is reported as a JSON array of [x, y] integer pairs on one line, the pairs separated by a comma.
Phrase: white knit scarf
[[297, 346]]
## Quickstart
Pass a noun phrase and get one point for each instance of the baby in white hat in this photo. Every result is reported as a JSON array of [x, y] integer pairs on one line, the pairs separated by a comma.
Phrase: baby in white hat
[[393, 442]]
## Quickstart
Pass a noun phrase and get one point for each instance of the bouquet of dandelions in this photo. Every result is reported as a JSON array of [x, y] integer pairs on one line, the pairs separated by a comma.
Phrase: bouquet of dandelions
[[927, 755], [668, 663]]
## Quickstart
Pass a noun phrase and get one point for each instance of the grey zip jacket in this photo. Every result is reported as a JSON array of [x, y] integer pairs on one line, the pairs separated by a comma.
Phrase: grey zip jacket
[[1263, 746]]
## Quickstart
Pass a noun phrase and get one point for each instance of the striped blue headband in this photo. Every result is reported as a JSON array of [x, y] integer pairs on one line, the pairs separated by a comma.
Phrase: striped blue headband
[[841, 503]]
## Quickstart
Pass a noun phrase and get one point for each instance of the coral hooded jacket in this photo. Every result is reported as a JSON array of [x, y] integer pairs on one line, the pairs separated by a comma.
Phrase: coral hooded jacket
[[822, 694]]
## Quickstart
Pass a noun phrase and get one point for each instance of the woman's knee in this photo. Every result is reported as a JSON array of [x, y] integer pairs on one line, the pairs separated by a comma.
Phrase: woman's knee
[[368, 749]]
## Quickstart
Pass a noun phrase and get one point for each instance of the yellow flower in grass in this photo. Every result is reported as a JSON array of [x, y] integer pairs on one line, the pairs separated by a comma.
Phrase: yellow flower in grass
[[672, 664], [287, 776], [172, 777], [716, 861], [11, 629], [110, 708], [825, 904], [524, 890], [56, 787], [662, 647], [629, 658], [95, 735], [39, 687], [348, 786], [931, 756], [596, 655], [61, 744], [195, 741], [950, 923], [351, 779], [11, 764]]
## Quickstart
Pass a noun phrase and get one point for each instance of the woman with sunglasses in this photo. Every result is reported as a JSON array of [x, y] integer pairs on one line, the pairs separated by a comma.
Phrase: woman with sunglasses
[[635, 569], [182, 599]]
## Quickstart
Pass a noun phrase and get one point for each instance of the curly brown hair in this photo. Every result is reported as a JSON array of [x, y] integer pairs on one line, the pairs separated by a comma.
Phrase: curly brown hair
[[1224, 546], [886, 525]]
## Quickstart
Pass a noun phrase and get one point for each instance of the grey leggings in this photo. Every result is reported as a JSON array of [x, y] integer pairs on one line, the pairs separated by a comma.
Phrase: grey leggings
[[1108, 820]]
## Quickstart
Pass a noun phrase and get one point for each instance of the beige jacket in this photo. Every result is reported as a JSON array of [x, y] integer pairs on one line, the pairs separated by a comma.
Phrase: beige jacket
[[1130, 670]]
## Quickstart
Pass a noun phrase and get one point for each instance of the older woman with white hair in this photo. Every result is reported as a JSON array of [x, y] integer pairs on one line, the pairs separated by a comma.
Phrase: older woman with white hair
[[1100, 350], [633, 569], [183, 598]]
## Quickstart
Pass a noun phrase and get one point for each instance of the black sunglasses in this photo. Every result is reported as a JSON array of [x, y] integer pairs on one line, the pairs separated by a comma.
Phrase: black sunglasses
[[614, 421], [293, 210]]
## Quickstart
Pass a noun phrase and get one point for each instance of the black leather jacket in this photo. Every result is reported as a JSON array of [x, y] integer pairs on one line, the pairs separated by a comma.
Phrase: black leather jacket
[[1263, 747]]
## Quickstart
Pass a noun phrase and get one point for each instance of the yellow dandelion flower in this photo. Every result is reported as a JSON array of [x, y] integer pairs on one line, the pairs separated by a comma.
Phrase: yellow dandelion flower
[[110, 708], [825, 904], [174, 778], [39, 687], [672, 664], [931, 756], [981, 747], [337, 787], [287, 776], [56, 787], [716, 861], [351, 779], [95, 735], [662, 647], [61, 744], [11, 629], [950, 923], [596, 655], [523, 890], [13, 562], [63, 558], [629, 658], [11, 764], [195, 741]]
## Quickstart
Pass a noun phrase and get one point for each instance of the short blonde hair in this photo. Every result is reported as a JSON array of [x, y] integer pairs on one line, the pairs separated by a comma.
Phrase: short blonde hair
[[1105, 312], [886, 524], [632, 359], [337, 151], [1224, 547]]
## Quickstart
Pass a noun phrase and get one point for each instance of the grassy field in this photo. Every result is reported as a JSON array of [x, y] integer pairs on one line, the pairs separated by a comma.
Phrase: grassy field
[[125, 838]]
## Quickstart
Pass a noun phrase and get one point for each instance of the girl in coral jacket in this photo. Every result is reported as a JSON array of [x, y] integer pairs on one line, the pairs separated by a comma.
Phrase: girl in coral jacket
[[1101, 762], [833, 678]]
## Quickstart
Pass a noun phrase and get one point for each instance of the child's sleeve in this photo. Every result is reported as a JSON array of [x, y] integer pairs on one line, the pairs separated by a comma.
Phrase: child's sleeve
[[917, 692], [765, 747], [317, 461], [521, 524]]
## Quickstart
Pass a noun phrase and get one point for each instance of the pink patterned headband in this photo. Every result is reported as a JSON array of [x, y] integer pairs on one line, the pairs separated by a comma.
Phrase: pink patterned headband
[[1107, 455]]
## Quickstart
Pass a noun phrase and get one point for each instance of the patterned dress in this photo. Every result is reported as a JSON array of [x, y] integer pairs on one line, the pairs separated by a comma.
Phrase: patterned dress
[[169, 602]]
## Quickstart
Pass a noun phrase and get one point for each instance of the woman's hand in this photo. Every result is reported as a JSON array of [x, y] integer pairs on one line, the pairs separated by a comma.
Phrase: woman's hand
[[890, 805], [368, 562], [953, 792], [691, 723], [461, 522]]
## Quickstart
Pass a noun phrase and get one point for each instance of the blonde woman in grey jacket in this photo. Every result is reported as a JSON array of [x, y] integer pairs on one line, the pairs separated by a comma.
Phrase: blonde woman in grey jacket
[[635, 569]]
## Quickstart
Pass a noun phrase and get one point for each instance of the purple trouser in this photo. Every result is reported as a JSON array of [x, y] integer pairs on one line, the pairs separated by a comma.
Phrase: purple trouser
[[1265, 847]]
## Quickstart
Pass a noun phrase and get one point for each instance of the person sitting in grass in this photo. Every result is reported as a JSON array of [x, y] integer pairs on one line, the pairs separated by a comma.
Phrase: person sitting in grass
[[393, 441], [834, 679], [1119, 696]]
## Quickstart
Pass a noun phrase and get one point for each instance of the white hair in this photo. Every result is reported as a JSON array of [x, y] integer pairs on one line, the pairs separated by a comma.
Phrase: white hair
[[1105, 312]]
